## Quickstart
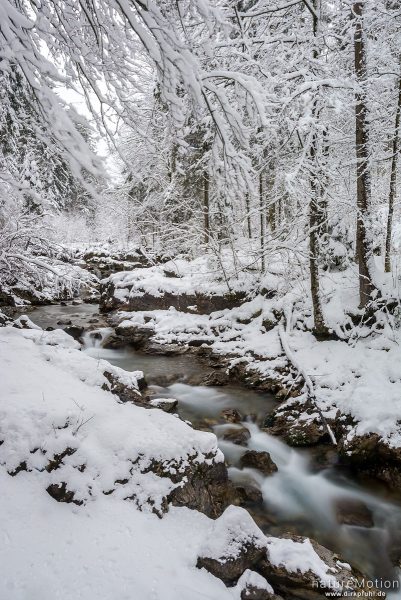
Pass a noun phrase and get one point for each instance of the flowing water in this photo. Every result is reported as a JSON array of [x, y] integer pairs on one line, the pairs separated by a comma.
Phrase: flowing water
[[304, 495]]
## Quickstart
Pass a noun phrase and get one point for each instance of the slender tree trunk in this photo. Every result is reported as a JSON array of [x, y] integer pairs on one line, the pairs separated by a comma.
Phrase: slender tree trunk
[[393, 182], [271, 213], [262, 221], [248, 215], [362, 169], [315, 216], [206, 208], [272, 217]]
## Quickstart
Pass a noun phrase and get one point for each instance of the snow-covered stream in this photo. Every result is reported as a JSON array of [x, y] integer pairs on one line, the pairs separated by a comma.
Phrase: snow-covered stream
[[303, 495]]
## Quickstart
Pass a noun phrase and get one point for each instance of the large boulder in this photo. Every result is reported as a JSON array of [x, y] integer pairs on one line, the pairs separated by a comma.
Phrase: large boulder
[[298, 423], [234, 545], [134, 334]]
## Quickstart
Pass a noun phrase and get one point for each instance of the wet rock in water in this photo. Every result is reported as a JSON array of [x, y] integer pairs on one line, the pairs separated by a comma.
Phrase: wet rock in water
[[247, 494], [64, 322], [237, 435], [350, 511], [75, 332], [94, 320], [95, 335], [205, 424], [169, 405], [77, 301], [323, 457], [92, 298], [113, 342], [231, 415], [164, 380], [235, 544], [297, 423], [49, 329], [135, 334], [258, 460], [371, 456], [164, 349]]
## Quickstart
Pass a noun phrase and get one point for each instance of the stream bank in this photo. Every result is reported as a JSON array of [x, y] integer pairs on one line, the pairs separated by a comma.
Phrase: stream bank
[[310, 494]]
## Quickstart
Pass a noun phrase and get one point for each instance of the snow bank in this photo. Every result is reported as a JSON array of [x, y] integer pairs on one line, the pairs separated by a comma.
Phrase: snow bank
[[360, 375], [51, 407], [59, 426]]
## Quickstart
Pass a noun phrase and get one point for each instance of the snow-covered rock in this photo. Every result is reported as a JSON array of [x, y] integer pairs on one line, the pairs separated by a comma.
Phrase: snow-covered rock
[[195, 286], [58, 420]]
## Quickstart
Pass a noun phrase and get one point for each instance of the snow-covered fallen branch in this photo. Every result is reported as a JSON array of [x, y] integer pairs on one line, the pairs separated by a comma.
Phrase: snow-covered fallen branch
[[308, 382]]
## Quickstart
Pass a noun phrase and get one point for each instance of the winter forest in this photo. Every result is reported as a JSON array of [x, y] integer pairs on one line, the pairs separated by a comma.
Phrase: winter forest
[[200, 316]]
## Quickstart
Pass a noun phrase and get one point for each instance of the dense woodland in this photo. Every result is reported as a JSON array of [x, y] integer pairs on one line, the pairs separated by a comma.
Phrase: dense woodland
[[267, 126]]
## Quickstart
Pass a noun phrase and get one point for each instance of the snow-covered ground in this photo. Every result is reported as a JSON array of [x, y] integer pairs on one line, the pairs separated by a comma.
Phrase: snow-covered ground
[[109, 546], [358, 374], [203, 275]]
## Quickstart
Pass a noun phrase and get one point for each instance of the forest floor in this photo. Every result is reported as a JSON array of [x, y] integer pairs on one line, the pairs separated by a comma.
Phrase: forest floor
[[68, 433]]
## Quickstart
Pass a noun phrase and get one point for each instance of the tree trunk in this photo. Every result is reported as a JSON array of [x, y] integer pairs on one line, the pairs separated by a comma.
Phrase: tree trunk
[[316, 219], [362, 170], [206, 208], [393, 182], [248, 215], [262, 221]]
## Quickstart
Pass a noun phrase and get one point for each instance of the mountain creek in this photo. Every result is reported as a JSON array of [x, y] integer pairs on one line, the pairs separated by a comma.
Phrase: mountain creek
[[310, 493]]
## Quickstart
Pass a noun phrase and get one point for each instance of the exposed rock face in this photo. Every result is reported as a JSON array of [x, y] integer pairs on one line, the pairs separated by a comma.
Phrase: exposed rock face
[[258, 460], [103, 263], [212, 378], [247, 494], [125, 391], [134, 334], [75, 331], [216, 378], [205, 488], [371, 455], [199, 303]]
